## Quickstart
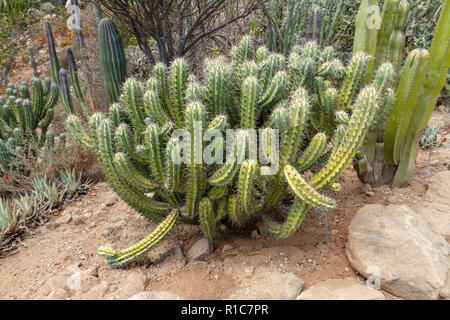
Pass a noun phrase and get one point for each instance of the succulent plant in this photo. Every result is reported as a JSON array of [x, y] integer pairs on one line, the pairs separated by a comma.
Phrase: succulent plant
[[156, 125], [25, 116], [391, 151]]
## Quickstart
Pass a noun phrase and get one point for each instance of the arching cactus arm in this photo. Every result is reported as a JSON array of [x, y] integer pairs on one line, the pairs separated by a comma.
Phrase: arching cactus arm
[[294, 220], [133, 177], [120, 258], [305, 191], [137, 200]]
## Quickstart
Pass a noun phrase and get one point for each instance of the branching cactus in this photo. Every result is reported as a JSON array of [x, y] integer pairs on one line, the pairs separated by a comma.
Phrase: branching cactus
[[25, 116], [164, 151]]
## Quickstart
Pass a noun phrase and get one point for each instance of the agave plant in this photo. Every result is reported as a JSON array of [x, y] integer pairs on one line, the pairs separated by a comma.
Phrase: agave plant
[[26, 205], [9, 219], [70, 181], [173, 116]]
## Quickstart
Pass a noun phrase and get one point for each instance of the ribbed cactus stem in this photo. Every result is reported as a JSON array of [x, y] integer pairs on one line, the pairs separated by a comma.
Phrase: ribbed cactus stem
[[112, 57], [74, 77]]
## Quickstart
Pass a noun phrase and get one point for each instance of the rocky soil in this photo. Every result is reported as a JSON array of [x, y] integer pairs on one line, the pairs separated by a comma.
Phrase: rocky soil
[[404, 232]]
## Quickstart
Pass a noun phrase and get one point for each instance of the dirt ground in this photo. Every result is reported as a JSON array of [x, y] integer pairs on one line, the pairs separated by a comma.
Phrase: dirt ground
[[236, 269]]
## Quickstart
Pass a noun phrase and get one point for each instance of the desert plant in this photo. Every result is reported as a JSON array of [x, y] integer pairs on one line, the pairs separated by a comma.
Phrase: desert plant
[[289, 21], [429, 137], [9, 220], [24, 119], [70, 181], [112, 58], [139, 150], [391, 151]]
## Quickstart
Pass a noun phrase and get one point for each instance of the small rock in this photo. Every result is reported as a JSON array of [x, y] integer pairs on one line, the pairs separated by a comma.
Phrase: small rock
[[97, 292], [58, 294], [76, 220], [249, 271], [434, 162], [254, 234], [340, 289], [57, 282], [156, 295], [65, 219], [200, 250], [72, 269], [261, 229], [287, 286], [52, 225], [110, 201], [366, 188], [134, 283], [173, 258], [393, 199], [226, 249]]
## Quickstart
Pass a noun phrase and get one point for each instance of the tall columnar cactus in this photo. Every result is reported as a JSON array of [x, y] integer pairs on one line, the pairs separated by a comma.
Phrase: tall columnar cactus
[[422, 79], [391, 149], [54, 63], [140, 151], [112, 58], [25, 116]]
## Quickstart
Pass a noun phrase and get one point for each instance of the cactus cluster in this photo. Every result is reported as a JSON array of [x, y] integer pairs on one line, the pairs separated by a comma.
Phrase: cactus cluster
[[392, 147], [259, 94], [25, 115], [290, 21]]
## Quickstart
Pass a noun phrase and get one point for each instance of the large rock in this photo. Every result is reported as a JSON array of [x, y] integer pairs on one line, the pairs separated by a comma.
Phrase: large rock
[[412, 259], [341, 289], [287, 286], [156, 295], [200, 250], [438, 188]]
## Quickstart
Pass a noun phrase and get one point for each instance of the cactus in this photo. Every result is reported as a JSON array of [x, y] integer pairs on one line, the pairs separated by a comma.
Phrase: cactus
[[74, 77], [112, 58], [391, 149], [140, 152], [24, 120], [290, 21]]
